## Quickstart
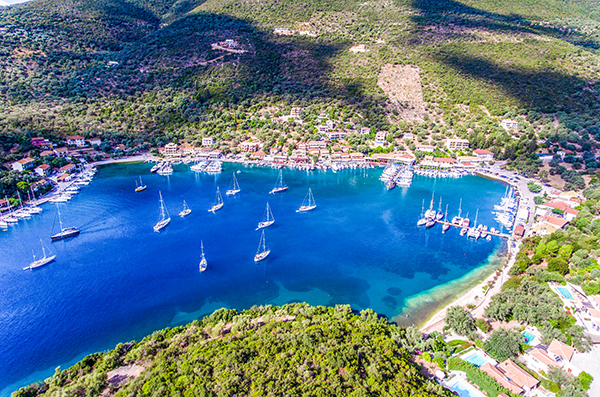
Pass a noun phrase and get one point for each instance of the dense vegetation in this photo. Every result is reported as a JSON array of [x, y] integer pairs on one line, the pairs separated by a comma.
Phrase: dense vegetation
[[295, 349]]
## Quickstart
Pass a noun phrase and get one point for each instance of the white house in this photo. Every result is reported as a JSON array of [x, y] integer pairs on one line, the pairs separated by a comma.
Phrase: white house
[[457, 144], [208, 141], [335, 135], [509, 124], [170, 149], [380, 137], [76, 140], [42, 170], [484, 155], [23, 164]]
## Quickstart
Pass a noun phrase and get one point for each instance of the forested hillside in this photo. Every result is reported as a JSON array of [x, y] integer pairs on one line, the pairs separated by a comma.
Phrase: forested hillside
[[147, 68], [296, 349]]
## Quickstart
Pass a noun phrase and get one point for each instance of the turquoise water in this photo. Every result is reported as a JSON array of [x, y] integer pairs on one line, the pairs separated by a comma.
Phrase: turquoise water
[[565, 293], [529, 337], [118, 280], [464, 389], [476, 358]]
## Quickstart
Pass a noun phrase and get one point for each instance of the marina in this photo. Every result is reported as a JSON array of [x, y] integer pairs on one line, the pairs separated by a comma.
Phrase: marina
[[138, 280]]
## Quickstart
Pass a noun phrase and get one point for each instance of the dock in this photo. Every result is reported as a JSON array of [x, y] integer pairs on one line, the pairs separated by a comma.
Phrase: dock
[[497, 234]]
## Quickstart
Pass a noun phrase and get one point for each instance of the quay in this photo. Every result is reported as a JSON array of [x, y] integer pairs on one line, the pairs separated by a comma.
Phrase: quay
[[497, 234]]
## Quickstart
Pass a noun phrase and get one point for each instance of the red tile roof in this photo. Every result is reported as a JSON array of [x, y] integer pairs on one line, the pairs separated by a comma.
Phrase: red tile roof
[[482, 151], [554, 221], [560, 349], [558, 204]]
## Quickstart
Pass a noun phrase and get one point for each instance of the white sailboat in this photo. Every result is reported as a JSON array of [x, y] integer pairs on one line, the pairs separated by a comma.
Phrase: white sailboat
[[309, 202], [268, 219], [235, 189], [439, 214], [65, 232], [422, 220], [218, 202], [140, 187], [262, 251], [164, 217], [280, 186], [457, 220], [446, 225], [186, 210], [474, 231], [203, 262], [42, 261]]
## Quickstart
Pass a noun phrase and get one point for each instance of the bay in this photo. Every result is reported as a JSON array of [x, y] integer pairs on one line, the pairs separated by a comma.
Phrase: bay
[[119, 280]]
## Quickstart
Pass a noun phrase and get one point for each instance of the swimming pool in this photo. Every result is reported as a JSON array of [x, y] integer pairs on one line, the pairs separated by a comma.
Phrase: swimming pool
[[464, 389], [529, 337], [565, 293], [477, 358]]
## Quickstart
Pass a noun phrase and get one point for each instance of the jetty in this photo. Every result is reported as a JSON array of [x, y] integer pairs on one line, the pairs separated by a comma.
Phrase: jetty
[[497, 233]]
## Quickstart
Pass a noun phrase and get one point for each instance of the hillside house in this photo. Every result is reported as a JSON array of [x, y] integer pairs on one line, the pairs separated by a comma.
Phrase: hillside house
[[95, 141], [380, 137], [76, 140], [283, 31], [208, 141], [317, 145], [41, 143], [511, 376], [484, 155], [509, 124], [425, 148], [335, 135], [62, 152], [46, 153], [67, 169], [43, 170], [23, 164], [170, 149], [296, 112], [250, 147], [365, 130], [457, 144]]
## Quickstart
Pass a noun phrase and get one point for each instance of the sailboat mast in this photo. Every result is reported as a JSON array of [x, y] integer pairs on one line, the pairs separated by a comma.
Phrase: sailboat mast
[[459, 207], [59, 221]]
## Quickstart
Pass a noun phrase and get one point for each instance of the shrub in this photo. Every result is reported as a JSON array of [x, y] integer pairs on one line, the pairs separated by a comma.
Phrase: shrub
[[591, 288], [461, 322], [503, 344], [585, 379], [482, 324], [558, 265]]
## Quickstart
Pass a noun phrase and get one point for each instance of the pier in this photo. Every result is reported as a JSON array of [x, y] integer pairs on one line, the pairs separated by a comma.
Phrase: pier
[[497, 234]]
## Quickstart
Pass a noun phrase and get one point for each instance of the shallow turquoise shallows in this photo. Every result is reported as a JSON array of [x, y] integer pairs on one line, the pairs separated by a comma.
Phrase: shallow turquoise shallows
[[119, 280]]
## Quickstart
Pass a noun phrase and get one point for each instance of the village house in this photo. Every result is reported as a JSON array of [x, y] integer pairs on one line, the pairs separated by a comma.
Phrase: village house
[[170, 149], [296, 112], [484, 155], [62, 152], [322, 129], [365, 130], [69, 168], [76, 140], [554, 221], [46, 153], [409, 136], [425, 148], [43, 170], [208, 141], [258, 155], [94, 141], [23, 164], [185, 149], [335, 135], [444, 162], [380, 137], [557, 354], [469, 159], [317, 145], [283, 31], [457, 144], [41, 142], [41, 183], [509, 124], [251, 147]]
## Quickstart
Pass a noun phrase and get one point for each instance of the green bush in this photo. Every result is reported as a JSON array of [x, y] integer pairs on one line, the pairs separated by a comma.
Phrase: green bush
[[503, 344], [591, 288], [558, 265], [585, 379]]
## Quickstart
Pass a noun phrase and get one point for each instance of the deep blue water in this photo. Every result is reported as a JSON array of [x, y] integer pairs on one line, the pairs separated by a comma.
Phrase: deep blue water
[[119, 280]]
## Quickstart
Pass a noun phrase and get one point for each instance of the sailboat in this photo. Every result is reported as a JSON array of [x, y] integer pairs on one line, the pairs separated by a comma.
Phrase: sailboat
[[203, 262], [474, 232], [268, 219], [262, 251], [439, 214], [65, 232], [280, 186], [422, 220], [164, 216], [42, 261], [186, 210], [218, 202], [235, 187], [457, 220], [309, 202], [446, 225], [140, 187]]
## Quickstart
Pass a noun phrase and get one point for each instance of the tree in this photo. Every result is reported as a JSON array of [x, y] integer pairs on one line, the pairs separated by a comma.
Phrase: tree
[[461, 322], [534, 188], [565, 252], [503, 344], [558, 265]]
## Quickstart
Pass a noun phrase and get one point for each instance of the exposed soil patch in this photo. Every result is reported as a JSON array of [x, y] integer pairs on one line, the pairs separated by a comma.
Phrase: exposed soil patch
[[402, 84]]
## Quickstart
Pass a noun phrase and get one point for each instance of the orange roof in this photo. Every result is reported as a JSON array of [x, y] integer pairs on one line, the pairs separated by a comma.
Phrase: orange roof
[[74, 137], [67, 167], [560, 349], [554, 221], [594, 313], [44, 166], [482, 151], [558, 204], [572, 211], [542, 356], [518, 374], [596, 298], [25, 160], [444, 160], [501, 378]]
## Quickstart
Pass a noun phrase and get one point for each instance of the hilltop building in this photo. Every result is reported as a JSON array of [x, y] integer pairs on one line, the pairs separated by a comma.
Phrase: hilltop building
[[457, 144], [76, 140], [23, 164]]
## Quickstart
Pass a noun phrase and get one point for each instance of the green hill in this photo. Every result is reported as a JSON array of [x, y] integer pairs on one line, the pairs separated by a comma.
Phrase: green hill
[[295, 349]]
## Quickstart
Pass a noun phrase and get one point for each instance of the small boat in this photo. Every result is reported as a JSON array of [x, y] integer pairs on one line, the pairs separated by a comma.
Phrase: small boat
[[140, 187], [430, 223], [164, 217], [488, 238], [65, 232], [218, 202], [262, 251], [203, 262], [268, 219], [422, 220], [309, 202], [235, 189], [439, 214], [186, 210], [390, 184], [280, 186], [3, 224], [42, 261]]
